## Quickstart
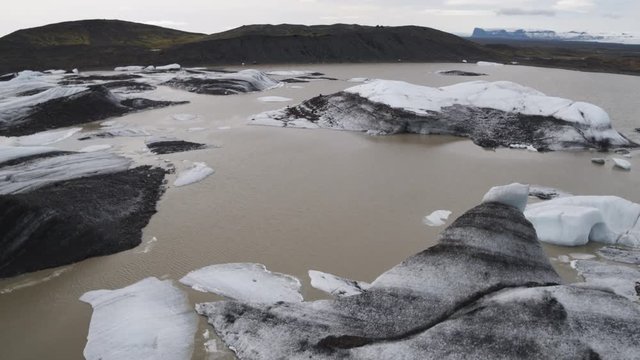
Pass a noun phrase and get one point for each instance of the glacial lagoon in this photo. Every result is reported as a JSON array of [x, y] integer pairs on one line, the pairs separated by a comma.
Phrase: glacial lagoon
[[342, 202]]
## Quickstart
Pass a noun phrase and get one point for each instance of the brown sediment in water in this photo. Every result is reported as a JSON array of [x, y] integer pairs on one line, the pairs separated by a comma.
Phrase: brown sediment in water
[[294, 200]]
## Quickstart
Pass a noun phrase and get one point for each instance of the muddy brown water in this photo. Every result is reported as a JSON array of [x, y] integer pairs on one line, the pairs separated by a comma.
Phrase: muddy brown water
[[294, 200]]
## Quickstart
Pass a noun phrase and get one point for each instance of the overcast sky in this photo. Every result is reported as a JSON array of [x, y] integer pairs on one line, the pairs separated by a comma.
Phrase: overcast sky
[[458, 16]]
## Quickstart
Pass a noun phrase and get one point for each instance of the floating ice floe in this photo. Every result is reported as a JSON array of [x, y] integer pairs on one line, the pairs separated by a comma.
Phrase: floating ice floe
[[335, 285], [492, 114], [359, 79], [623, 280], [195, 173], [168, 67], [524, 147], [170, 145], [622, 164], [289, 72], [150, 319], [245, 282], [576, 220], [94, 148], [598, 161], [436, 218], [505, 293], [216, 83], [129, 68], [45, 138], [274, 99], [459, 73], [488, 63]]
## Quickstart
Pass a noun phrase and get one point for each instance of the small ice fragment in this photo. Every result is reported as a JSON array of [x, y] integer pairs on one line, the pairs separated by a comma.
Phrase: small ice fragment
[[564, 259], [169, 67], [274, 99], [622, 164], [197, 172], [436, 218], [488, 63], [598, 161], [245, 282]]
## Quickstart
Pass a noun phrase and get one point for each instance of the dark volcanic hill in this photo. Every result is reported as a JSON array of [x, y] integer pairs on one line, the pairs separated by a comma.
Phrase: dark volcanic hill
[[107, 43]]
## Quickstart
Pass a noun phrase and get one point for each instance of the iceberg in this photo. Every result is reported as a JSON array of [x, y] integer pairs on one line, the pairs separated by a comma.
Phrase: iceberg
[[335, 285], [168, 67], [57, 208], [195, 173], [492, 114], [9, 153], [623, 280], [245, 282], [515, 195], [485, 291], [622, 164], [218, 83], [436, 218], [129, 68], [149, 320], [576, 220]]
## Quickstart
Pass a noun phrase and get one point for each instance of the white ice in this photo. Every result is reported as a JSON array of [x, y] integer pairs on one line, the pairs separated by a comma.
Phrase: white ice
[[335, 285], [35, 174], [149, 320], [245, 282], [359, 79], [288, 72], [195, 173], [515, 195], [488, 63], [169, 67], [41, 138], [94, 148], [274, 99], [129, 68], [576, 220], [436, 218], [622, 164], [8, 153]]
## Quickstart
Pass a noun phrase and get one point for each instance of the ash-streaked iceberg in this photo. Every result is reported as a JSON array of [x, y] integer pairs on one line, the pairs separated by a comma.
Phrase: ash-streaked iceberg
[[59, 207], [245, 282], [436, 218], [623, 280], [492, 114], [576, 220], [222, 83], [149, 320], [486, 290]]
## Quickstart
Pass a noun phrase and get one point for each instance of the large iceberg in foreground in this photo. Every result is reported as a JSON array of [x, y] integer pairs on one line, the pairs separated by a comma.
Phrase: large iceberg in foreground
[[485, 291], [150, 319], [490, 113], [576, 220]]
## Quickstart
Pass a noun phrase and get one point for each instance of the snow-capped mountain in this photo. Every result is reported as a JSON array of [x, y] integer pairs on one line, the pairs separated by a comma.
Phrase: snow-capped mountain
[[522, 34]]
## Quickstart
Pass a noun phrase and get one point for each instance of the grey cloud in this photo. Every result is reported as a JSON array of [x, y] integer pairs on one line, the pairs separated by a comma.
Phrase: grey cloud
[[525, 12]]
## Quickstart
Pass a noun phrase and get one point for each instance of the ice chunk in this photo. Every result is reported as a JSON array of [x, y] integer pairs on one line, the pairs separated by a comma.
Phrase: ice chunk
[[274, 99], [150, 319], [546, 193], [574, 220], [580, 256], [245, 282], [335, 285], [93, 148], [359, 79], [598, 161], [129, 68], [622, 164], [197, 172], [515, 195], [488, 63], [436, 218], [169, 67], [621, 279], [289, 72]]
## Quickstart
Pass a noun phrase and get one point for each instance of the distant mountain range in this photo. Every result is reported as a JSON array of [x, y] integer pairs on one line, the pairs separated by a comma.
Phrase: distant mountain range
[[550, 35], [94, 44]]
